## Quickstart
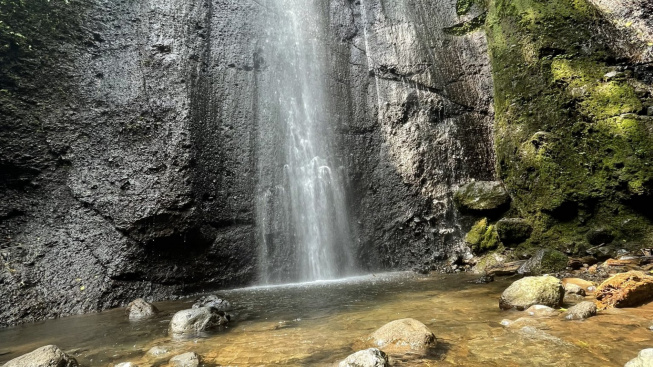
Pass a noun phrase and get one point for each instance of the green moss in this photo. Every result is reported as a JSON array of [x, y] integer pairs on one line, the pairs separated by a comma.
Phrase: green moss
[[482, 237], [570, 146], [464, 28], [463, 6]]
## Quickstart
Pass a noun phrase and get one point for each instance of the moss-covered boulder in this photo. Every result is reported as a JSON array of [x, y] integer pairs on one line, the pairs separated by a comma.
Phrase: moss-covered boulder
[[526, 292], [482, 196], [545, 261], [482, 237], [513, 230]]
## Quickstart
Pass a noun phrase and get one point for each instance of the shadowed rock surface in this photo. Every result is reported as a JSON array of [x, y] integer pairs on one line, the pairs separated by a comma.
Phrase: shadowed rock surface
[[48, 356]]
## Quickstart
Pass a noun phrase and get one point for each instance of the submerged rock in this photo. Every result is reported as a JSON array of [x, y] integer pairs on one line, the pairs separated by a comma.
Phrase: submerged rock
[[573, 289], [524, 293], [581, 311], [544, 261], [484, 279], [542, 311], [140, 309], [513, 230], [158, 351], [630, 289], [48, 356], [213, 301], [196, 320], [366, 358], [404, 333], [482, 195], [644, 359], [190, 359]]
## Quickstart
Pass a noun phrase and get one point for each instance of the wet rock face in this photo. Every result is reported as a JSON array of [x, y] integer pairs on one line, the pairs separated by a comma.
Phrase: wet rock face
[[129, 156], [48, 356]]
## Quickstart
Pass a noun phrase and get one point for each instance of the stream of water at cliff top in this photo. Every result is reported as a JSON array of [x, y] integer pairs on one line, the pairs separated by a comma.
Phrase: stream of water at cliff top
[[303, 225]]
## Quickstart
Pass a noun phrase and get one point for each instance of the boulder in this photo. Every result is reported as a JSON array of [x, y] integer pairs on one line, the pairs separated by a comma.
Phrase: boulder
[[139, 309], [643, 359], [573, 289], [513, 230], [581, 311], [630, 289], [542, 311], [404, 334], [526, 292], [545, 261], [197, 320], [366, 358], [48, 356], [482, 196], [213, 301], [190, 359]]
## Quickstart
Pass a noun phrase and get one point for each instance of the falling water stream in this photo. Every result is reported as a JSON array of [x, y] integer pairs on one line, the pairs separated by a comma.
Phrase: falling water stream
[[303, 224]]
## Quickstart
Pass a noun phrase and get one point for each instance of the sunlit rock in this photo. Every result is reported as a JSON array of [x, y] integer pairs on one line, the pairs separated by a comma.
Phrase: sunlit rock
[[190, 359], [366, 358], [643, 359], [544, 290], [404, 334], [630, 289], [581, 311], [482, 195], [48, 356]]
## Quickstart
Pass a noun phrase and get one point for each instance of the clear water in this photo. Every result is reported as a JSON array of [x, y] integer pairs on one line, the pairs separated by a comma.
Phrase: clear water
[[301, 203], [320, 323]]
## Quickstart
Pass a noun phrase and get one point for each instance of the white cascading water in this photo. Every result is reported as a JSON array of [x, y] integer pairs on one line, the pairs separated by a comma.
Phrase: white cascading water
[[303, 226]]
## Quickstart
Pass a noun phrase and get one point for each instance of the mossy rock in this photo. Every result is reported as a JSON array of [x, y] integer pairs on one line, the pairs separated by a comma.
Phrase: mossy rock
[[526, 292], [545, 261], [482, 196], [482, 237], [513, 230]]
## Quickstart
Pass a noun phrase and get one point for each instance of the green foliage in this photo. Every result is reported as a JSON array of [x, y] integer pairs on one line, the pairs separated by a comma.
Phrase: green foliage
[[570, 143]]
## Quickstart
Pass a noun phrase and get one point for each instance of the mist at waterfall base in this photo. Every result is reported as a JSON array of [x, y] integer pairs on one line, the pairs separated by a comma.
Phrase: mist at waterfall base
[[303, 226]]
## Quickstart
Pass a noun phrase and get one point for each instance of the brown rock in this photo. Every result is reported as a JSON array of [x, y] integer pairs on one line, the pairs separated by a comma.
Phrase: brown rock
[[585, 284], [403, 334], [630, 289]]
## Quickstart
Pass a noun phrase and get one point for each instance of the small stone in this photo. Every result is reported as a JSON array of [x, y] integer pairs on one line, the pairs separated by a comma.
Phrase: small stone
[[190, 359], [366, 358], [649, 111], [48, 356], [126, 364], [574, 289], [643, 359], [158, 351], [584, 284], [541, 311], [581, 311], [140, 309], [404, 333]]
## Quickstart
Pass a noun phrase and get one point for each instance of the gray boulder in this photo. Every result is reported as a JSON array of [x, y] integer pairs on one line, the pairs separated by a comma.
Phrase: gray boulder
[[139, 309], [48, 356], [404, 333], [581, 311], [190, 359], [482, 195], [213, 301], [526, 292], [366, 358], [197, 320], [544, 261], [643, 359]]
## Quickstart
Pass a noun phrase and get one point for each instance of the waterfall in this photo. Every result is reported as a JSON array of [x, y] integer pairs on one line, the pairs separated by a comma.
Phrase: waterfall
[[303, 226]]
